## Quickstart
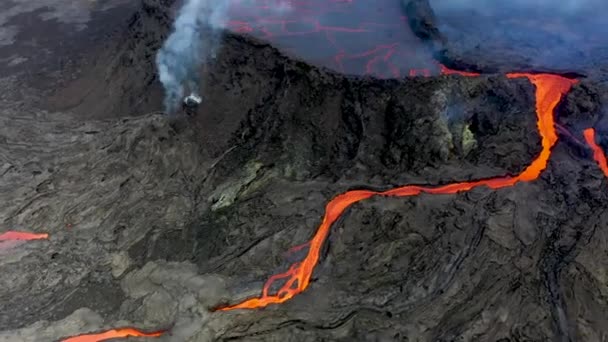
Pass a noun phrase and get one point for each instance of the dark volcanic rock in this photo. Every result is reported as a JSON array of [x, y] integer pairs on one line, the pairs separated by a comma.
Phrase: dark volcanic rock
[[168, 217], [121, 79], [422, 21], [514, 36], [345, 126]]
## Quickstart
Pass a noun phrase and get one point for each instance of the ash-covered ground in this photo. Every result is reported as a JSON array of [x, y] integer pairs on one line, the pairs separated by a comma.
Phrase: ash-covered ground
[[155, 221]]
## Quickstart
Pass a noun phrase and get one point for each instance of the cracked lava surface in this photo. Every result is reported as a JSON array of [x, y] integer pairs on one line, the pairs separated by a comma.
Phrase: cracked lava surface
[[22, 236], [352, 37]]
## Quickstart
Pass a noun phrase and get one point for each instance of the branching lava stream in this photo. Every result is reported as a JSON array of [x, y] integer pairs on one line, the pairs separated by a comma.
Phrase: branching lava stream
[[549, 91]]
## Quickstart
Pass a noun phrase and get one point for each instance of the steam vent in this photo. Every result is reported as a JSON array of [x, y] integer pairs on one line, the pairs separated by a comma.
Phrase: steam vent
[[311, 170]]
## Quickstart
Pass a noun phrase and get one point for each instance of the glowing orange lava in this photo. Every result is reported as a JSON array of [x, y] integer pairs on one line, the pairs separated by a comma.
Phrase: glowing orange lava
[[110, 334], [447, 71], [549, 91], [22, 236], [598, 153]]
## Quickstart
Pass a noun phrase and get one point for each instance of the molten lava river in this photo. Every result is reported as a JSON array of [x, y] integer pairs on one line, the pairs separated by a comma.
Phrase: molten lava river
[[323, 32]]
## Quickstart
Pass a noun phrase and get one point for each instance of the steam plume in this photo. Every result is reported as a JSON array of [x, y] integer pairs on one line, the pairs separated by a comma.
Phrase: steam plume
[[195, 38]]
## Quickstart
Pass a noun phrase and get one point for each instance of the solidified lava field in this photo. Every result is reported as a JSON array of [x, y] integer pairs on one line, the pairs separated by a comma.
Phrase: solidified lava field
[[356, 173]]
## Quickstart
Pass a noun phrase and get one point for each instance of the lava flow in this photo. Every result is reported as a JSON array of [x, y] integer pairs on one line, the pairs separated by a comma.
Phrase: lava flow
[[549, 91], [111, 334], [598, 153], [22, 236]]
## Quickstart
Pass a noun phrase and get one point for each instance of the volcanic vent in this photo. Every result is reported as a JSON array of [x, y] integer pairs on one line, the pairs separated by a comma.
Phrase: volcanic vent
[[333, 207]]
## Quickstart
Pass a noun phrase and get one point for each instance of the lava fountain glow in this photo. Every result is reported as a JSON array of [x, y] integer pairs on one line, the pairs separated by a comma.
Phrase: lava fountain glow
[[549, 91], [111, 334], [22, 236], [598, 153]]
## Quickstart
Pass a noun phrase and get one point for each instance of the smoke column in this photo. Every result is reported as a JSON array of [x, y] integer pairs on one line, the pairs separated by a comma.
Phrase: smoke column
[[195, 38]]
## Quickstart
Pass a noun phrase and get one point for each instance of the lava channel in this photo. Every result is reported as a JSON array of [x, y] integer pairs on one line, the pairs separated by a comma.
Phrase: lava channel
[[22, 236], [549, 91], [111, 334], [598, 153]]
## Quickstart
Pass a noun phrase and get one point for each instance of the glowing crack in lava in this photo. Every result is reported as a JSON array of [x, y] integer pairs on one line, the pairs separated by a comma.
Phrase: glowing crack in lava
[[22, 236], [361, 37], [598, 153], [549, 91], [111, 334]]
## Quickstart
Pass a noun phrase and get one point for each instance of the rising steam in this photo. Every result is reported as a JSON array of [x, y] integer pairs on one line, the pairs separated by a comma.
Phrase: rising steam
[[194, 40]]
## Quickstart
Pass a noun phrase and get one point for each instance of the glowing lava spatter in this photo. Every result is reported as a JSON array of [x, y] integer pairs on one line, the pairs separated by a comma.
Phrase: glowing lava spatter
[[549, 91], [110, 334], [22, 236], [598, 153]]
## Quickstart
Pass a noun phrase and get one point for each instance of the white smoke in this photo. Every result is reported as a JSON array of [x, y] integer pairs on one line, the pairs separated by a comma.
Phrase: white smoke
[[194, 40]]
